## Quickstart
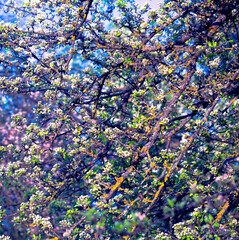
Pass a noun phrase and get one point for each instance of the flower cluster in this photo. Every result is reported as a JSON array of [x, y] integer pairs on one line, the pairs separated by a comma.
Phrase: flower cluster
[[111, 133], [214, 63], [3, 237], [65, 223], [162, 236], [123, 153], [181, 230], [42, 222], [82, 201], [107, 167]]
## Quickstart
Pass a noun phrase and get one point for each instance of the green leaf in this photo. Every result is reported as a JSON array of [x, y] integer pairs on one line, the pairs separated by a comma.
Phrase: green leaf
[[170, 203], [216, 224]]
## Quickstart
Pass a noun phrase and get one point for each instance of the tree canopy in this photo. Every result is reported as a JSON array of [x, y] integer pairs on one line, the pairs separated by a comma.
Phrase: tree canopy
[[119, 121]]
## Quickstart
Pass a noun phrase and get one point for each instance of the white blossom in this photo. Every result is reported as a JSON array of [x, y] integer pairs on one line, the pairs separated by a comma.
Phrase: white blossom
[[214, 63], [34, 3]]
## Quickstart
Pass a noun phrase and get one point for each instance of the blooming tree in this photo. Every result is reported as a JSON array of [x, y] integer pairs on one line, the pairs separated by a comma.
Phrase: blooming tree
[[119, 121]]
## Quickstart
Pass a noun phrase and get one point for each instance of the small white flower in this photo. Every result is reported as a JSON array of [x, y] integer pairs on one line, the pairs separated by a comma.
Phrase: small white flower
[[34, 3], [199, 72], [67, 233], [58, 150], [61, 39], [41, 17], [57, 82], [198, 122], [214, 63], [65, 223], [3, 237], [59, 112], [82, 201], [214, 112]]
